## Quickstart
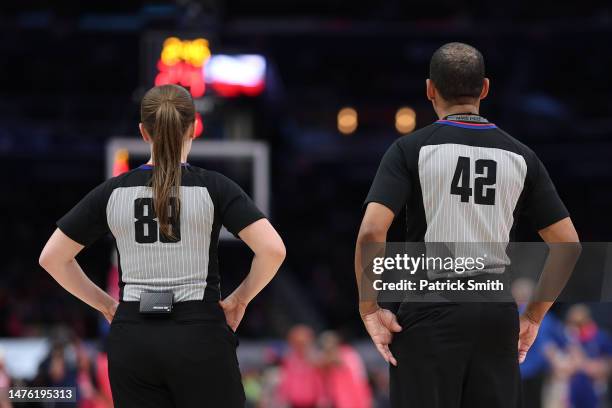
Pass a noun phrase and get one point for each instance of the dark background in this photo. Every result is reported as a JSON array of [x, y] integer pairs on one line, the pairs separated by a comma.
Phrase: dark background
[[71, 77]]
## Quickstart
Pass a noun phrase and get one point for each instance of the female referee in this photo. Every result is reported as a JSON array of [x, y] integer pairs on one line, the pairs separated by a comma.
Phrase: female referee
[[172, 341]]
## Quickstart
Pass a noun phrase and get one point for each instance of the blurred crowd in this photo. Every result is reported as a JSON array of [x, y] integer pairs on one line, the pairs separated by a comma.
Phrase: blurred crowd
[[568, 366], [316, 372], [69, 363]]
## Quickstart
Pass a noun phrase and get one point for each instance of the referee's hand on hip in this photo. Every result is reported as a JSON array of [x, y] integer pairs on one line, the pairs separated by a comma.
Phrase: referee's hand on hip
[[381, 324], [528, 332], [234, 311], [109, 313]]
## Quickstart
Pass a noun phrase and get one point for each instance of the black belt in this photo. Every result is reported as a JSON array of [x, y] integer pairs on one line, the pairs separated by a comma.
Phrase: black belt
[[192, 310]]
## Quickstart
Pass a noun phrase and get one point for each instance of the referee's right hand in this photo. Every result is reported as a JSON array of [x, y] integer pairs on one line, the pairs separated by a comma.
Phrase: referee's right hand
[[381, 325], [109, 312]]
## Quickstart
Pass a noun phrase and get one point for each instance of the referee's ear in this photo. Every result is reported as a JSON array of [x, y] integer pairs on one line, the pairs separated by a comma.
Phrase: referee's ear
[[485, 88], [143, 132], [430, 89]]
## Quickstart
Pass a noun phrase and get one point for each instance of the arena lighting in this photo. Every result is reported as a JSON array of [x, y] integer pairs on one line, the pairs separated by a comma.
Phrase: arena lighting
[[347, 121], [181, 62], [189, 63], [121, 162], [195, 52], [235, 75], [405, 120]]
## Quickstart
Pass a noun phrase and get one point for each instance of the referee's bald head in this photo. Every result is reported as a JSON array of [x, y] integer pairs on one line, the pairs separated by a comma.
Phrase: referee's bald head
[[457, 71]]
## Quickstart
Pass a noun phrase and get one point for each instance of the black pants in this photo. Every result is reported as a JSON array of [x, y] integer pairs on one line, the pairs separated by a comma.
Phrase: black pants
[[456, 355], [532, 391], [184, 359]]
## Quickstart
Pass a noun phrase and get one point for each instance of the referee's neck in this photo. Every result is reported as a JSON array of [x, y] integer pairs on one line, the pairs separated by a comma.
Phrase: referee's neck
[[444, 111]]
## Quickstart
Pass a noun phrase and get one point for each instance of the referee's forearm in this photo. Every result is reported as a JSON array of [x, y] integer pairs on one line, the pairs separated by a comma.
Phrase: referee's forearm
[[72, 278], [564, 250], [263, 269], [367, 297]]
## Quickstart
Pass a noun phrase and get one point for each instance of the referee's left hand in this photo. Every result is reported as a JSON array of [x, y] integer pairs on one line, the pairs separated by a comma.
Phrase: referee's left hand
[[234, 311], [528, 332], [381, 325]]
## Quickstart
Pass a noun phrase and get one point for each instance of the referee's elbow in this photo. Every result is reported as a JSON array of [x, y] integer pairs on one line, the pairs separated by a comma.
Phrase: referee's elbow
[[46, 260], [51, 259], [371, 233], [274, 250], [277, 251]]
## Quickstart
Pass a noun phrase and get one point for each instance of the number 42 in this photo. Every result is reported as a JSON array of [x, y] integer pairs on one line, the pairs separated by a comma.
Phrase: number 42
[[486, 169]]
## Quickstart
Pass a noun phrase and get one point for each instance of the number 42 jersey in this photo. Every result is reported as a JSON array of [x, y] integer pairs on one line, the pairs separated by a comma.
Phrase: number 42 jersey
[[148, 261], [462, 179]]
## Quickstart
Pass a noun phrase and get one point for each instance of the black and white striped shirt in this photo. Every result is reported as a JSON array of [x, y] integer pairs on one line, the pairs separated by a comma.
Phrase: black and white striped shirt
[[148, 261], [464, 180]]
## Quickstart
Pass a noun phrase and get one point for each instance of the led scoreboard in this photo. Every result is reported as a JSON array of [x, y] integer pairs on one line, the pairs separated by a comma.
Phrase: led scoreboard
[[190, 61], [183, 62]]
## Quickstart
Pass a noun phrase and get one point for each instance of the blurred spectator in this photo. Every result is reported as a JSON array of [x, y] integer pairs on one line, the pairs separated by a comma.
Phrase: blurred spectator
[[270, 381], [5, 382], [88, 392], [535, 368], [55, 370], [251, 381], [59, 368], [102, 378], [585, 361], [301, 384], [86, 389], [556, 393], [345, 378], [380, 386]]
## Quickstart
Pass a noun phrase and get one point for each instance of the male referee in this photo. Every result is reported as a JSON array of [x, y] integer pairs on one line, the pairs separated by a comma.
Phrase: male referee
[[461, 179]]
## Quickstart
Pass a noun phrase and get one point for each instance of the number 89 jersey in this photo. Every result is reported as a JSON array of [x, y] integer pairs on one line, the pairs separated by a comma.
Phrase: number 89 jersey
[[149, 261], [462, 179]]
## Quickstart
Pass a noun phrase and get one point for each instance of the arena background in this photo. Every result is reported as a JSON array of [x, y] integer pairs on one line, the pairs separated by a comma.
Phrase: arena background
[[328, 87]]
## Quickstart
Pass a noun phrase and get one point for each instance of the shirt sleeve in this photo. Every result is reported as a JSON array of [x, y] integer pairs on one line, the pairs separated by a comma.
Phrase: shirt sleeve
[[391, 186], [543, 206], [86, 222], [236, 209]]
